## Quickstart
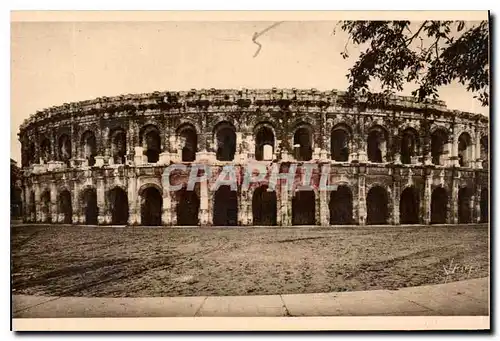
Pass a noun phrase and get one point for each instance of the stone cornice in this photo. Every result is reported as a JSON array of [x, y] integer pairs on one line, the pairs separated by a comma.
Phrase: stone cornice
[[230, 100]]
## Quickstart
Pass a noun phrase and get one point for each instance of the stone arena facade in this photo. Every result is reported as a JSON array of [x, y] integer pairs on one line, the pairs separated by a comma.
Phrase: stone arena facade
[[101, 162]]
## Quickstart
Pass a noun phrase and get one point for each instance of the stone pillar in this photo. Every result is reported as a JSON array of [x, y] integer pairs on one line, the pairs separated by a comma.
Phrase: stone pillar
[[53, 202], [243, 208], [38, 208], [453, 213], [134, 216], [166, 217], [27, 216], [426, 201], [239, 140], [477, 202], [362, 199], [285, 207], [477, 147], [324, 211], [396, 194], [75, 202], [101, 200], [204, 215]]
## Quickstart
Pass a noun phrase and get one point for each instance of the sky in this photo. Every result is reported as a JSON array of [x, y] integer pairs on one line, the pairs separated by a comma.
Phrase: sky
[[60, 62]]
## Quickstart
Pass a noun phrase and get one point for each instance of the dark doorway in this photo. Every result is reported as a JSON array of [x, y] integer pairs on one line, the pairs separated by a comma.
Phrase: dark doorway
[[119, 146], [225, 207], [438, 140], [89, 147], [189, 142], [226, 143], [118, 199], [188, 205], [152, 144], [151, 207], [439, 206], [65, 206], [483, 205], [264, 136], [408, 206], [409, 143], [340, 206], [302, 141], [46, 214], [304, 208], [64, 149], [90, 208], [464, 216], [375, 140], [340, 145], [377, 206], [264, 207]]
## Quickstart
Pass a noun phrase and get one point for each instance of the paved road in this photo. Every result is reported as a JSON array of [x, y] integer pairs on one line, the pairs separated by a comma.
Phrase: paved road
[[466, 298]]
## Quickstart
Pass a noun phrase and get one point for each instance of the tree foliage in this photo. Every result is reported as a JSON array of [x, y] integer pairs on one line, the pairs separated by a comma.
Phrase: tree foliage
[[433, 54]]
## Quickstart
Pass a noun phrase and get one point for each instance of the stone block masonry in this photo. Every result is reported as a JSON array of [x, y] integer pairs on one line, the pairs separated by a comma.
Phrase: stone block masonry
[[103, 161]]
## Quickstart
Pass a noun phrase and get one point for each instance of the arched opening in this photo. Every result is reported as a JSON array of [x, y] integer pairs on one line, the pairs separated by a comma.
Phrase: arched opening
[[119, 146], [151, 207], [65, 207], [484, 151], [16, 202], [89, 147], [64, 148], [409, 145], [408, 206], [32, 206], [439, 138], [439, 206], [264, 137], [151, 143], [118, 200], [339, 144], [225, 207], [31, 154], [225, 139], [304, 208], [45, 150], [483, 205], [464, 150], [188, 206], [377, 144], [45, 209], [90, 208], [302, 143], [377, 206], [264, 206], [340, 206], [188, 140], [464, 209]]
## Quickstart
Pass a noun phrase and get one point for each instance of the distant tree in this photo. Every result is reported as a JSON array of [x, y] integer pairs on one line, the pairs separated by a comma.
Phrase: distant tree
[[431, 55]]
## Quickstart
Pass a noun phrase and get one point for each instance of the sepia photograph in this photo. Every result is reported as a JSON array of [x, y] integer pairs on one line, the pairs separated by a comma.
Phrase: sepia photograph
[[301, 170]]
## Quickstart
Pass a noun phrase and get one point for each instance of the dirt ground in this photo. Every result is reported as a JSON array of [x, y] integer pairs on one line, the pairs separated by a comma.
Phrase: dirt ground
[[140, 261]]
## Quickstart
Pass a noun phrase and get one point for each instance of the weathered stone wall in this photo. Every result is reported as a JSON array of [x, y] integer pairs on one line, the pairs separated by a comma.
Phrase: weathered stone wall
[[157, 123]]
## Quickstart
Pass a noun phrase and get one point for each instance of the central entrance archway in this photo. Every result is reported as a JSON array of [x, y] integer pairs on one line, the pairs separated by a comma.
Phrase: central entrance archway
[[151, 207], [225, 207], [90, 208], [119, 206], [188, 205], [45, 199], [264, 206], [340, 206], [439, 206], [377, 206], [65, 207], [303, 208], [464, 212], [408, 206]]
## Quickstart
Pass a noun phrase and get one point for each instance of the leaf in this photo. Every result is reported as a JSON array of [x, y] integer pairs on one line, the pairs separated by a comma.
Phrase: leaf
[[461, 25]]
